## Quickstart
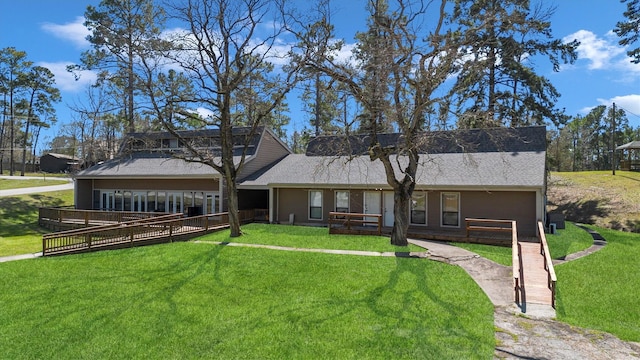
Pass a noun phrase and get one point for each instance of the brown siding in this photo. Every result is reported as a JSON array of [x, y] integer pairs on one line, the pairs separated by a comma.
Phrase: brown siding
[[157, 184], [519, 206], [270, 151], [296, 201], [506, 205], [84, 195]]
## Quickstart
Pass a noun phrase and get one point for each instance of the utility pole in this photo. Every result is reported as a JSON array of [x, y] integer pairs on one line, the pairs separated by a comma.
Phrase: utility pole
[[613, 144]]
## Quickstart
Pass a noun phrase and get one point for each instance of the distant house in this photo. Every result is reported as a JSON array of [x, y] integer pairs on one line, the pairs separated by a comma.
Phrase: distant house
[[489, 173], [57, 163]]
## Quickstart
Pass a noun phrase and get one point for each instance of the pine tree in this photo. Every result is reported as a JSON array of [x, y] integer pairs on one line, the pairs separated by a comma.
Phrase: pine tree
[[496, 83]]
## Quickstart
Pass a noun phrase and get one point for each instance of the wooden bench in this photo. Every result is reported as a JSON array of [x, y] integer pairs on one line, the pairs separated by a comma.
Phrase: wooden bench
[[473, 224]]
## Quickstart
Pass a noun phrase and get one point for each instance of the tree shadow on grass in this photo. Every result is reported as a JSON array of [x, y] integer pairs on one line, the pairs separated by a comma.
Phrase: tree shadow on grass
[[584, 212], [630, 225], [441, 312], [19, 214]]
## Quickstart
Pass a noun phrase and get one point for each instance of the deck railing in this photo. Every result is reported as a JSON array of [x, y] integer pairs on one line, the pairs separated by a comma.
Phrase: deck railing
[[354, 222], [474, 224], [548, 264], [91, 217], [162, 228]]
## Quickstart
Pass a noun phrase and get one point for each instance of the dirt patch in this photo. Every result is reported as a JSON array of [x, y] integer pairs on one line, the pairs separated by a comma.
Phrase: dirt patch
[[519, 337]]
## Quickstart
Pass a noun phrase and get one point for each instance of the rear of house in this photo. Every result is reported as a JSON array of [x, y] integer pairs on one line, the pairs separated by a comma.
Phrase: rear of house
[[500, 180], [489, 173]]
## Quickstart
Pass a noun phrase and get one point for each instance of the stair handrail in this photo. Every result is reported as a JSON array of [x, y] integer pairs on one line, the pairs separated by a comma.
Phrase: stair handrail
[[515, 252], [548, 263]]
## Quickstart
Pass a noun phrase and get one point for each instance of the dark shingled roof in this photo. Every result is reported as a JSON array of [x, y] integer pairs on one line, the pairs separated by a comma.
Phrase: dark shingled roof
[[524, 139]]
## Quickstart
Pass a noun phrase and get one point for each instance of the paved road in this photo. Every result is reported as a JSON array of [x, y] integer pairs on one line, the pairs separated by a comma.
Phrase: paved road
[[37, 189]]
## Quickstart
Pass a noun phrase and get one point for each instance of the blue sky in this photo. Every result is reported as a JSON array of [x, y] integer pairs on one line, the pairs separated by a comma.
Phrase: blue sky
[[51, 33]]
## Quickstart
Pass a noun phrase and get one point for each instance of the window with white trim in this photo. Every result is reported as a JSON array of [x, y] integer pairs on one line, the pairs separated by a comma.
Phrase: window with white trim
[[315, 205], [342, 201], [450, 205], [419, 208]]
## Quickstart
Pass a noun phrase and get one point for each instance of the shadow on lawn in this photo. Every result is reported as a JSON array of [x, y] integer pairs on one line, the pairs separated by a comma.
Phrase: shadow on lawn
[[582, 212], [629, 225], [421, 323], [16, 213]]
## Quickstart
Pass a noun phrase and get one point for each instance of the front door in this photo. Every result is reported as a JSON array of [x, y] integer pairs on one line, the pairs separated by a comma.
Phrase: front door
[[371, 204], [387, 215]]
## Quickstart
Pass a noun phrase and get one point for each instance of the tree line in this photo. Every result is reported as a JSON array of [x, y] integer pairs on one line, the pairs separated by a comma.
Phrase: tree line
[[28, 94]]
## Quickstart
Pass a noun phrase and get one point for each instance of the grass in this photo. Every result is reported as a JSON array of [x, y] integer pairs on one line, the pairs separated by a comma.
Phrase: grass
[[188, 300], [307, 237], [600, 291], [19, 230], [6, 184], [566, 241], [598, 197]]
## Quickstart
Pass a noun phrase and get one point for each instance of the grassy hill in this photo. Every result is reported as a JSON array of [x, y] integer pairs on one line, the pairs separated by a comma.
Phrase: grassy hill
[[597, 197]]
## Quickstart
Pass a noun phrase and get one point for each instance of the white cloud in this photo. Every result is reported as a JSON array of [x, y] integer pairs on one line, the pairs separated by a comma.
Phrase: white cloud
[[600, 52], [629, 102], [65, 81], [204, 113], [74, 31]]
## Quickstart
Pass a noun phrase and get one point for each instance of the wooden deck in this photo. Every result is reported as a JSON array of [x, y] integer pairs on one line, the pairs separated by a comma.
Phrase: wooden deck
[[145, 231]]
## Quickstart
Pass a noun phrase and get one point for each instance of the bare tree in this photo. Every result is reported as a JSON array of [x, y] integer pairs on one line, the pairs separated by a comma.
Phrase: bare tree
[[223, 55], [399, 68]]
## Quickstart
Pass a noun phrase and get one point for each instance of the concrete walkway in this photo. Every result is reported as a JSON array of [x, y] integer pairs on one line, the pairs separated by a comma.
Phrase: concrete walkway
[[36, 189]]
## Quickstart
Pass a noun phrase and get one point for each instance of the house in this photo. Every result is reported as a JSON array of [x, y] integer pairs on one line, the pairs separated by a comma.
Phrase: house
[[488, 173], [56, 163], [150, 175]]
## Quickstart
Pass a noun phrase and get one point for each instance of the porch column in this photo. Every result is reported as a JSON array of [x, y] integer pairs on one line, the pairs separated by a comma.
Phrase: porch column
[[270, 205]]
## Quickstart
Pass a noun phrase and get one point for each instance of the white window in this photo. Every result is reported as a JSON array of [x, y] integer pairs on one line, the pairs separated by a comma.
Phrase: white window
[[419, 208], [315, 205], [450, 206], [342, 201]]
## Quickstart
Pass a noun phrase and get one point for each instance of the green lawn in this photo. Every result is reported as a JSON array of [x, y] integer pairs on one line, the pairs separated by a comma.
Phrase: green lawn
[[6, 184], [307, 237], [19, 230], [600, 291], [190, 300]]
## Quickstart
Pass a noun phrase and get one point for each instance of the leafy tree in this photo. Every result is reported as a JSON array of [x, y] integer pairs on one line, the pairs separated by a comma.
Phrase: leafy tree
[[629, 29], [496, 83], [399, 68]]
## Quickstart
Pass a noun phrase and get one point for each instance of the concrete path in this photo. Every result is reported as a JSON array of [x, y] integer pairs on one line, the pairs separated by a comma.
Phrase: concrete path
[[20, 257], [494, 279], [36, 189]]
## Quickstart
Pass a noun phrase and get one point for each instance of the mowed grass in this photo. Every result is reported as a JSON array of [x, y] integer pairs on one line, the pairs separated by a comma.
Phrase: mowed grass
[[6, 184], [195, 300], [19, 230], [564, 242], [600, 291], [307, 237]]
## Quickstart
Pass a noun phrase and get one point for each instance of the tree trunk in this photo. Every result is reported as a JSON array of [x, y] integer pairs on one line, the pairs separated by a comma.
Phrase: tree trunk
[[401, 199], [232, 205]]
